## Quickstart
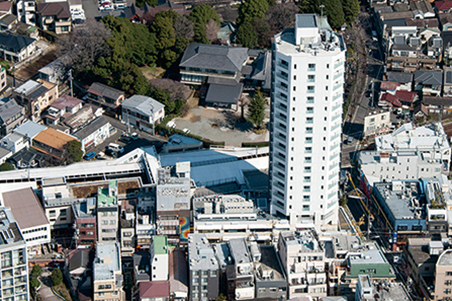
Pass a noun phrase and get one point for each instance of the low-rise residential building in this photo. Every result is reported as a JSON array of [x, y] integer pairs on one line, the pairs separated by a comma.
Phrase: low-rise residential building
[[14, 142], [32, 221], [428, 83], [159, 258], [16, 48], [61, 108], [204, 276], [107, 213], [94, 133], [29, 158], [268, 272], [54, 72], [145, 221], [7, 22], [26, 10], [303, 259], [5, 154], [11, 116], [13, 251], [85, 115], [54, 16], [29, 130], [142, 111], [36, 97], [85, 223], [106, 97], [52, 142], [107, 272]]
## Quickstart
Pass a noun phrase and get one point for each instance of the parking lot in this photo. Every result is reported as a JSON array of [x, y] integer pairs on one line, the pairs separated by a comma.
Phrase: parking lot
[[144, 139]]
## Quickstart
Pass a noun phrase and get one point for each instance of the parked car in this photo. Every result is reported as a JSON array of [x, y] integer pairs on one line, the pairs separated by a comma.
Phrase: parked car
[[186, 131], [134, 136], [115, 147], [100, 155], [111, 153], [89, 156], [125, 139], [171, 124]]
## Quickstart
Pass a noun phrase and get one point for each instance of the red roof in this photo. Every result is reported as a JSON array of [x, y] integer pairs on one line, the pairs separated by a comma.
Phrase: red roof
[[5, 6], [443, 5], [388, 85], [406, 96], [391, 99], [154, 289], [66, 101]]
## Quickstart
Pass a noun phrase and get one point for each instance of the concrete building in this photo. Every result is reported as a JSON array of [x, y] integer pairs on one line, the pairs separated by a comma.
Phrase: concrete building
[[431, 140], [2, 78], [94, 133], [57, 201], [107, 272], [13, 252], [27, 209], [127, 230], [377, 123], [54, 16], [145, 219], [225, 217], [367, 289], [268, 273], [159, 258], [443, 276], [26, 10], [305, 125], [85, 223], [204, 278], [240, 275], [173, 205], [303, 259], [14, 142], [107, 213]]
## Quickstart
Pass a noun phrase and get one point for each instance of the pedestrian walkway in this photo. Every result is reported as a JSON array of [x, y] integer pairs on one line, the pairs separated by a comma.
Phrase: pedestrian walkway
[[46, 291]]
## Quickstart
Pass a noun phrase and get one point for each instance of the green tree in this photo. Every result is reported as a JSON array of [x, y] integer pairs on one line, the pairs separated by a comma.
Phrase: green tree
[[140, 3], [74, 151], [246, 35], [309, 6], [351, 10], [36, 271], [6, 166], [256, 109], [200, 15], [250, 10], [333, 9], [221, 297], [56, 277], [34, 283]]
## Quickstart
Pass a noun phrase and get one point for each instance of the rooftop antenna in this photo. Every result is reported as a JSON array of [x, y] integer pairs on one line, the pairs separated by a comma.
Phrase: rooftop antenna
[[321, 10]]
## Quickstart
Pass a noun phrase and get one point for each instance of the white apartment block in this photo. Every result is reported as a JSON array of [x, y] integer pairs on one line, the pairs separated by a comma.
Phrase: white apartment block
[[26, 10], [306, 121], [14, 265], [159, 258], [303, 260]]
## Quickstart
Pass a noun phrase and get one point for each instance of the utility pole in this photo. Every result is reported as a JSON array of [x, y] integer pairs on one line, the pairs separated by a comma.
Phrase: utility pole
[[70, 78], [321, 10], [152, 119]]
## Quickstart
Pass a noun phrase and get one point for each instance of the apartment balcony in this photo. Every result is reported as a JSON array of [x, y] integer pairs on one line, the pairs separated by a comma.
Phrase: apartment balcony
[[279, 64], [284, 88]]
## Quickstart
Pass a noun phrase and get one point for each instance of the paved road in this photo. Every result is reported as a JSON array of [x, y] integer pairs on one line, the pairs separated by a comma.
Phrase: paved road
[[46, 292]]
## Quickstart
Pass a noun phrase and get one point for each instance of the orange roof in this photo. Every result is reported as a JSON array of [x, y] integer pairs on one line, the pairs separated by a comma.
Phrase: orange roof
[[53, 138]]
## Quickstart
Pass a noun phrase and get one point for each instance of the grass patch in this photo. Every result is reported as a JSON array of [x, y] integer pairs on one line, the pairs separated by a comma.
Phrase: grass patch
[[62, 290], [151, 72]]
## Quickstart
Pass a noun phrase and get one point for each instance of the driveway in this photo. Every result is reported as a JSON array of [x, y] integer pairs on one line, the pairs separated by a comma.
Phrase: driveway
[[91, 8], [46, 292]]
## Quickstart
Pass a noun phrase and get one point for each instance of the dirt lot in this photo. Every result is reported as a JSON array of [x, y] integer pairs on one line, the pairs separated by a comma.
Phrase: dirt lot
[[220, 125], [30, 70], [152, 72]]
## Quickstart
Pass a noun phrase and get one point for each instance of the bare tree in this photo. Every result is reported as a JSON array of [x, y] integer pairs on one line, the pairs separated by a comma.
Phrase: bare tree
[[281, 16], [176, 89], [184, 28], [212, 29], [84, 45]]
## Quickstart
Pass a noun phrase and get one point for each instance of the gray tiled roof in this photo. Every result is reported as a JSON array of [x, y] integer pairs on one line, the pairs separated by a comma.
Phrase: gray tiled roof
[[224, 94], [214, 57], [143, 104], [106, 91], [400, 77], [8, 110], [91, 127], [14, 42], [427, 77]]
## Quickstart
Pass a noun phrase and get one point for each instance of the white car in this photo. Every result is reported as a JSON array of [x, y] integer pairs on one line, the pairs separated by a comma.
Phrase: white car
[[171, 124], [186, 131]]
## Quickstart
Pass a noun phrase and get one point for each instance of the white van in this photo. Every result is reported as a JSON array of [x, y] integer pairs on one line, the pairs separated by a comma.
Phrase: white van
[[116, 147]]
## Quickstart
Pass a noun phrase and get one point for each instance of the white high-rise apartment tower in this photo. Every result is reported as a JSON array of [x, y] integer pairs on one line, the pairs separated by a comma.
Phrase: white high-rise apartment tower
[[307, 95]]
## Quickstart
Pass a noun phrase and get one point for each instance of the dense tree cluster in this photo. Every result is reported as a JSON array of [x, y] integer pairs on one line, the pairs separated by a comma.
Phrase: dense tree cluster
[[337, 11]]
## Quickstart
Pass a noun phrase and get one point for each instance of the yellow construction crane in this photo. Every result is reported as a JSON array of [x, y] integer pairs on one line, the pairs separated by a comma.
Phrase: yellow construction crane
[[359, 194]]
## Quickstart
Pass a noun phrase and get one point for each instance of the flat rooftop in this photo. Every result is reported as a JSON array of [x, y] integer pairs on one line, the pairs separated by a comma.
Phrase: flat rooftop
[[108, 261], [269, 264], [305, 239], [239, 250], [200, 253], [445, 259], [305, 20], [369, 255]]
